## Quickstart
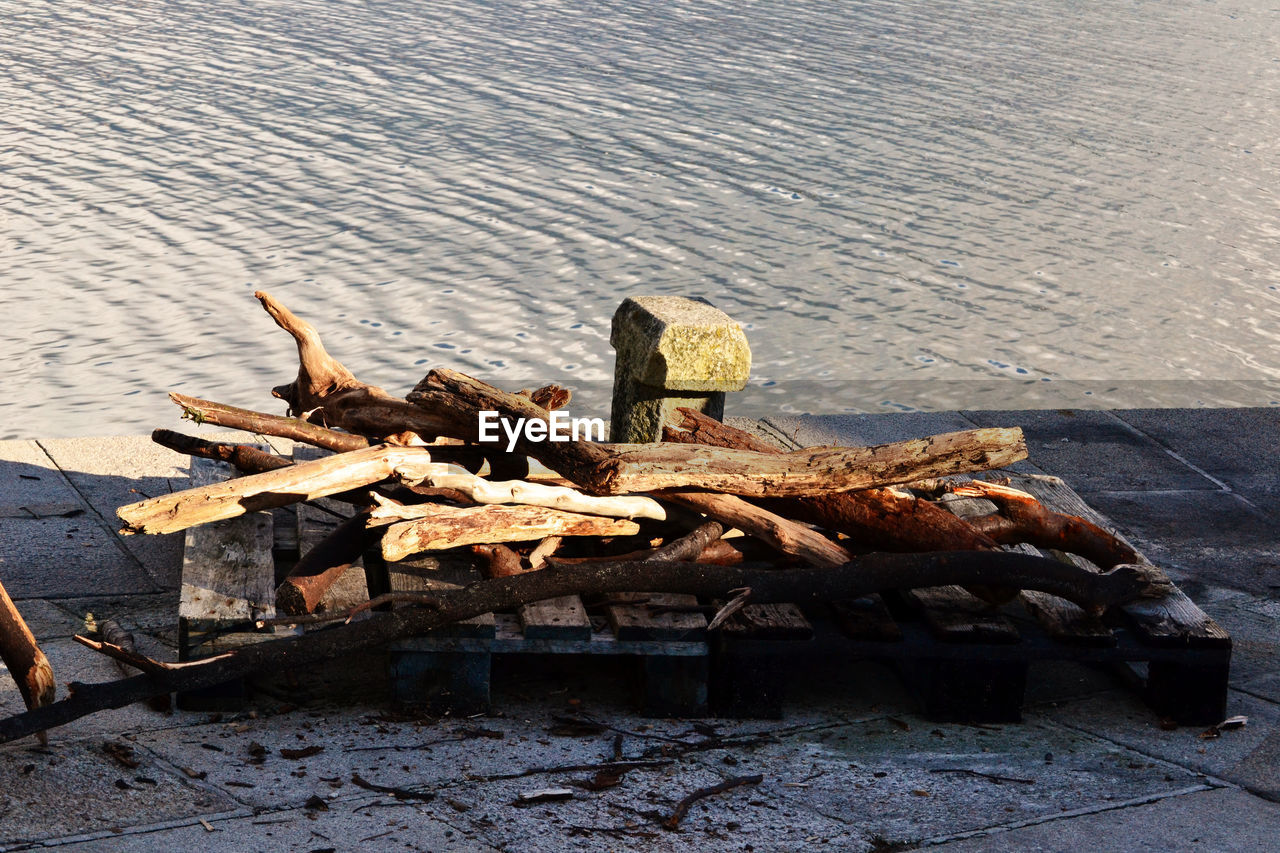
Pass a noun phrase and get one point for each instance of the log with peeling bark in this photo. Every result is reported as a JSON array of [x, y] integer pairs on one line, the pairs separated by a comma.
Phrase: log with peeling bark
[[621, 469], [1022, 518], [22, 656], [452, 527], [872, 573], [482, 491]]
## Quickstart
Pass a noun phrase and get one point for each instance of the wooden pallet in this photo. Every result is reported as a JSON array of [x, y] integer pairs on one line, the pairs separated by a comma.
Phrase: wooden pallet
[[964, 661], [449, 670]]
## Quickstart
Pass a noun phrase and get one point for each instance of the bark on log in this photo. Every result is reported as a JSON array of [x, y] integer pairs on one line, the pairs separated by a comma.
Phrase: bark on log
[[452, 527], [872, 573], [22, 656], [621, 469]]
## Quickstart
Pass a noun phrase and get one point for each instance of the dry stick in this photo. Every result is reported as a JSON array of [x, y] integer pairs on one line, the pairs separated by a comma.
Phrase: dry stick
[[871, 573], [682, 808], [248, 459], [209, 412], [26, 663], [483, 491], [623, 469], [112, 633]]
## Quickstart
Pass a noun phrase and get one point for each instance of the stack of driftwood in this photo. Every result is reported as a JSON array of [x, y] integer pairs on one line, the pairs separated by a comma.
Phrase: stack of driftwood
[[712, 511]]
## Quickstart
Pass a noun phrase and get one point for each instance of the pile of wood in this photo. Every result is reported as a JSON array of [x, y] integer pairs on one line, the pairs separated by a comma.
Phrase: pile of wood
[[711, 511]]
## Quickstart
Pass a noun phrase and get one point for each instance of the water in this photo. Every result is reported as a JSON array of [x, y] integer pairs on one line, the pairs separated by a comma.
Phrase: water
[[906, 204]]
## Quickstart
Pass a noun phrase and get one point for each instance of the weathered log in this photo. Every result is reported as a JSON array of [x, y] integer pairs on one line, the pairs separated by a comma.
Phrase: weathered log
[[787, 536], [621, 469], [871, 573], [451, 527], [113, 634], [22, 656], [884, 519], [306, 481], [321, 567]]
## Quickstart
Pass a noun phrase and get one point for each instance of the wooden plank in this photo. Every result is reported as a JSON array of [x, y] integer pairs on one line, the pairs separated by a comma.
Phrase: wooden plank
[[555, 619], [955, 616], [315, 521], [866, 618], [227, 571], [1061, 619], [769, 622], [1172, 621], [228, 581], [641, 622]]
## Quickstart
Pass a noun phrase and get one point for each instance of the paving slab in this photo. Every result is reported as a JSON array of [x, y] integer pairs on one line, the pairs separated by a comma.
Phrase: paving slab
[[51, 540], [366, 824], [1213, 536], [111, 472], [1214, 820], [1095, 451], [1234, 445], [73, 787], [844, 430], [1239, 756]]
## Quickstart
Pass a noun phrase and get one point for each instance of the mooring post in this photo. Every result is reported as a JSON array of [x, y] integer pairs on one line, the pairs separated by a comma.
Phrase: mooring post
[[672, 351]]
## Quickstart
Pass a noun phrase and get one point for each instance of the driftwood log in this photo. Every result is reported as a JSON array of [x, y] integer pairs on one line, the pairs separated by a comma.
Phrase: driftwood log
[[871, 573]]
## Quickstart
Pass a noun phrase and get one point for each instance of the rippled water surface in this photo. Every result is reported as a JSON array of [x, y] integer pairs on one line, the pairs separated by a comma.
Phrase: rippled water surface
[[888, 195]]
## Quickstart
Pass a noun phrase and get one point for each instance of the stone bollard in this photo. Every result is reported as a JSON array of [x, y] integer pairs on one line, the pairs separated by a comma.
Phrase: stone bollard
[[672, 351]]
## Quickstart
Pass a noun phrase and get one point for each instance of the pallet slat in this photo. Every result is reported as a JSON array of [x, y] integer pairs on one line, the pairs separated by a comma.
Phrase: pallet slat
[[555, 619], [644, 620]]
